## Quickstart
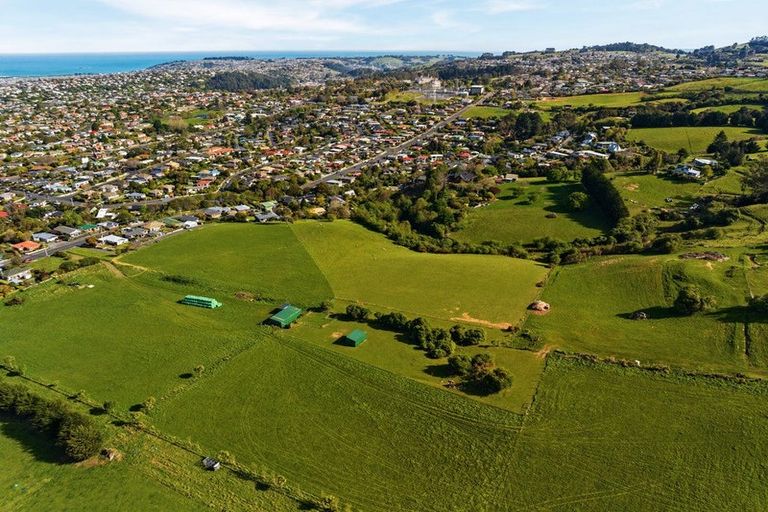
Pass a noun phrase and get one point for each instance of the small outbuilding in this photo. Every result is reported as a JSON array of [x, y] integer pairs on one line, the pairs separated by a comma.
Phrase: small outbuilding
[[286, 317], [201, 302], [211, 464], [355, 338]]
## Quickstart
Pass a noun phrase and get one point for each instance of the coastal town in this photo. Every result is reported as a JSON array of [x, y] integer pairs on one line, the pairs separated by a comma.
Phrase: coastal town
[[114, 161]]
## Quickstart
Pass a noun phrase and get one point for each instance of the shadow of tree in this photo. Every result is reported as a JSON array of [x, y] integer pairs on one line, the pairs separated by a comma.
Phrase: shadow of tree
[[654, 313], [442, 371], [739, 314], [42, 447]]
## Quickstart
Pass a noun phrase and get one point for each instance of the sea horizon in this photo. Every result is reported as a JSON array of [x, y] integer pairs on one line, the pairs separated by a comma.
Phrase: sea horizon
[[39, 65]]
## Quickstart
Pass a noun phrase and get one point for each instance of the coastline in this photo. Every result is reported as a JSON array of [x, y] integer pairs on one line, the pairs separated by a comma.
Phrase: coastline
[[69, 65]]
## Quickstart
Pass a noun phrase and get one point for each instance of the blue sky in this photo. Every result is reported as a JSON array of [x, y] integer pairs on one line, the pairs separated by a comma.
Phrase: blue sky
[[40, 26]]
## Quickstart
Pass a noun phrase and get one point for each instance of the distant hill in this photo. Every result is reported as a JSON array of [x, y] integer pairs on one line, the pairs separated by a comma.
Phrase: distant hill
[[629, 47], [235, 81]]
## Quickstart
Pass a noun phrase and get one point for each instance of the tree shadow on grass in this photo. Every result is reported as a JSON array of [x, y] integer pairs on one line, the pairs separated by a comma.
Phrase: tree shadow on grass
[[739, 314], [654, 313], [442, 371], [41, 446], [186, 376]]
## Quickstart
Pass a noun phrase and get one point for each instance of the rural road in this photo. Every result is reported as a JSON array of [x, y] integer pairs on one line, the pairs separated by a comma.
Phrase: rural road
[[55, 248]]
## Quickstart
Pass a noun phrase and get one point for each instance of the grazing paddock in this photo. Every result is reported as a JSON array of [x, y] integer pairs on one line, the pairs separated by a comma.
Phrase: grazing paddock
[[365, 267], [729, 109], [611, 100], [390, 351], [122, 340], [693, 139], [265, 260], [739, 84], [33, 479], [332, 424], [645, 191], [485, 113], [520, 215], [591, 305], [628, 439]]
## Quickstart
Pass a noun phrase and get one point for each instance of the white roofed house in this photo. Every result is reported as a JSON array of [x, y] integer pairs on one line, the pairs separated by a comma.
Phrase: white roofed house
[[18, 275], [113, 240]]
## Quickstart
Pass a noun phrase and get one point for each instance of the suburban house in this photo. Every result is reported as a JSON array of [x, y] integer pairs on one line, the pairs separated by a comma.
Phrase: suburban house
[[67, 232], [18, 275], [684, 171], [113, 240], [25, 247], [706, 162], [45, 238]]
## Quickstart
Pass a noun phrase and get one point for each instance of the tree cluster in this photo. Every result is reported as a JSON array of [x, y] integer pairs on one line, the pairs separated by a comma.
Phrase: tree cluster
[[75, 433], [480, 372], [603, 192]]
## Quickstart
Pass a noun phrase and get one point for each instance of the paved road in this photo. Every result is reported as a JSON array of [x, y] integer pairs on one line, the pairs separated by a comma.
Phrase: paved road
[[55, 248], [396, 149]]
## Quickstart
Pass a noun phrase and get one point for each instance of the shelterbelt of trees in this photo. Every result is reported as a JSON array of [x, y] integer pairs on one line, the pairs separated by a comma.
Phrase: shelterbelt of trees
[[77, 435]]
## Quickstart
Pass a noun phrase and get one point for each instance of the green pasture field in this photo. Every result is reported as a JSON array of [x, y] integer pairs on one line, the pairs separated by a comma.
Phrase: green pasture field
[[485, 113], [265, 260], [33, 479], [615, 100], [123, 339], [739, 84], [629, 439], [520, 215], [393, 353], [729, 109], [407, 97], [645, 191], [335, 425], [592, 303], [694, 139], [365, 267]]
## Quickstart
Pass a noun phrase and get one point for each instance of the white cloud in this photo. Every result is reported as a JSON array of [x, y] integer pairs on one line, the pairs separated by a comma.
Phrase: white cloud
[[286, 16], [502, 6]]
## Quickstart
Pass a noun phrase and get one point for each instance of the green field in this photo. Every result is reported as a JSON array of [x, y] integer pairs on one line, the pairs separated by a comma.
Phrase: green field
[[390, 352], [729, 109], [31, 480], [613, 100], [694, 139], [591, 306], [265, 260], [520, 215], [645, 191], [361, 266], [485, 113], [739, 84], [627, 439]]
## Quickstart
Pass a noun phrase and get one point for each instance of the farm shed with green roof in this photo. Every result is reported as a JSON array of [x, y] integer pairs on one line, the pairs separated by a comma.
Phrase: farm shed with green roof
[[201, 302], [286, 316], [355, 338]]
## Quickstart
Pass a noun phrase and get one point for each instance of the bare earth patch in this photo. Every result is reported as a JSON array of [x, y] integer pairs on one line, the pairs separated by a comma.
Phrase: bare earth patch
[[337, 335], [632, 187], [544, 352], [485, 323]]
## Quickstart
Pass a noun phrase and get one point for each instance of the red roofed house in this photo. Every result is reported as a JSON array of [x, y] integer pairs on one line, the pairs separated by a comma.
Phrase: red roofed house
[[26, 246]]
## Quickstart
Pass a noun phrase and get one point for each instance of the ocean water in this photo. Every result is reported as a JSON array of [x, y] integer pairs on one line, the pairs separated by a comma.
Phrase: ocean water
[[38, 65]]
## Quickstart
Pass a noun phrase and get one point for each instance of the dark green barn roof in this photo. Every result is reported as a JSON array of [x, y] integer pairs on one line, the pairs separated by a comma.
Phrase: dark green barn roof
[[357, 337], [286, 316]]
